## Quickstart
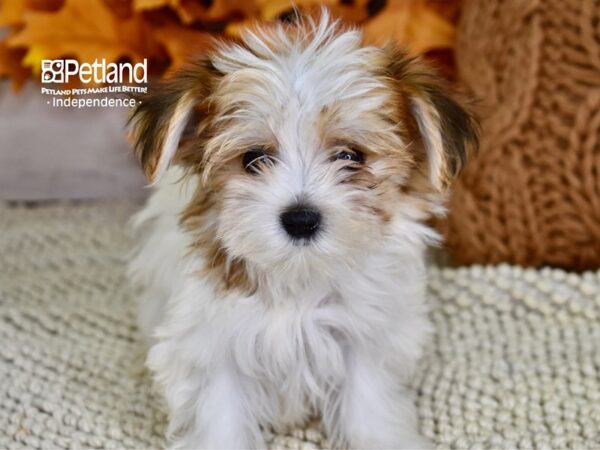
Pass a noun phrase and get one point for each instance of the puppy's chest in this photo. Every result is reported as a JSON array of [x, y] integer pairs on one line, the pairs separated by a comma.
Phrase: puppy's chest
[[295, 344]]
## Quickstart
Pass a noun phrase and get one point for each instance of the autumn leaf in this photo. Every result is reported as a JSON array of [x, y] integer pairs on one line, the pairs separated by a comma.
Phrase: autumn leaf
[[190, 11], [121, 8], [270, 10], [182, 43], [356, 12], [413, 23], [11, 65], [450, 9], [266, 10], [33, 59], [87, 30], [142, 5], [11, 12], [44, 5], [224, 9], [186, 16], [137, 29]]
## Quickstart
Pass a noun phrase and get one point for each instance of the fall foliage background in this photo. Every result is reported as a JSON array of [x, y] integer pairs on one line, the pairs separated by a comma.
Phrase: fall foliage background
[[52, 153], [167, 32]]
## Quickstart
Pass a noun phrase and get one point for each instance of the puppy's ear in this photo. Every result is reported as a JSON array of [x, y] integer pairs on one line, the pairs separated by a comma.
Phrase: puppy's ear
[[446, 131], [172, 111]]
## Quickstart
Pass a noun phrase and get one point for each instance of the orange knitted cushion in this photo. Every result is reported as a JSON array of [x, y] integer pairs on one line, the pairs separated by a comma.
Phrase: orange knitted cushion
[[532, 196]]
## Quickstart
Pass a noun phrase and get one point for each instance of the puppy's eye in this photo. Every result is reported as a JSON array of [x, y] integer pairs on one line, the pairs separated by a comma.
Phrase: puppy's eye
[[351, 155], [252, 159]]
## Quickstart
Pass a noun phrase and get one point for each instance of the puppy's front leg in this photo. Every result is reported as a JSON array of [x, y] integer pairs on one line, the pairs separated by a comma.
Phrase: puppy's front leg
[[217, 418], [373, 410]]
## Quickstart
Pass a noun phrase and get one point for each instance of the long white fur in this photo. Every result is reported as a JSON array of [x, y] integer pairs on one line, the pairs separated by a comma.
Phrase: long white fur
[[173, 136], [428, 121], [335, 327]]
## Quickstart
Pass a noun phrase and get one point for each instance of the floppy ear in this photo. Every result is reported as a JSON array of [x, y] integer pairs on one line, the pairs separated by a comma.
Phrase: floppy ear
[[445, 129], [171, 112]]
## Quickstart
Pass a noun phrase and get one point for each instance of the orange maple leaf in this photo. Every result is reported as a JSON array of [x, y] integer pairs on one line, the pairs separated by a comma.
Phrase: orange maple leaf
[[192, 10], [413, 23], [225, 9], [188, 10], [271, 10], [12, 11], [120, 8], [43, 5], [11, 66], [142, 5], [182, 43], [87, 30]]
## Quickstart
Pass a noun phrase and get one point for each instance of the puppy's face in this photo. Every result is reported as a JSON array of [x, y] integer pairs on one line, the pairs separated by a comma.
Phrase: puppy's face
[[310, 149]]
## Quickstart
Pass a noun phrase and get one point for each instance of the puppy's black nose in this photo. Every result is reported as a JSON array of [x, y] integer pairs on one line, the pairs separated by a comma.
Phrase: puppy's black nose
[[301, 221]]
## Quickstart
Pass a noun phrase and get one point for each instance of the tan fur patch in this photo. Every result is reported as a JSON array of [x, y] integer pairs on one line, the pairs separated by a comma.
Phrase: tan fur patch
[[155, 115], [228, 273], [443, 133]]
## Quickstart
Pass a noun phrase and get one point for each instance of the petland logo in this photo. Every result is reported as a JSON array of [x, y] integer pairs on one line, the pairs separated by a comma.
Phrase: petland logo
[[99, 72], [112, 83]]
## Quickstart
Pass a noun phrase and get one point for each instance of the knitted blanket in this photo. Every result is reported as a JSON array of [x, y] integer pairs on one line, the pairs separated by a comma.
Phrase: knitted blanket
[[532, 195], [515, 362]]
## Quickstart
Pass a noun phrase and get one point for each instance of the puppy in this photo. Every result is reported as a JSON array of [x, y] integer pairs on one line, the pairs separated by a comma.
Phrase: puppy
[[282, 251]]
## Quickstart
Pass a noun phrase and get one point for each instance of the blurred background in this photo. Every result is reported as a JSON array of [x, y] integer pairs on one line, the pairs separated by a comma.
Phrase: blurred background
[[50, 152], [531, 197]]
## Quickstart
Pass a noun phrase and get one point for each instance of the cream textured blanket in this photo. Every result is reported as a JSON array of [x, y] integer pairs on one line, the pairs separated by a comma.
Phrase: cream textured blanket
[[515, 361]]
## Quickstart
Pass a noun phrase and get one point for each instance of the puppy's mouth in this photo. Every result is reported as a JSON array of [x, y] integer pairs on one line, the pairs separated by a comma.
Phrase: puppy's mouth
[[301, 222]]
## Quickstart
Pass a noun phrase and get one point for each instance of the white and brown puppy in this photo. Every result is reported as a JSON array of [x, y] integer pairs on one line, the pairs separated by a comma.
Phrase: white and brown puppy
[[282, 252]]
